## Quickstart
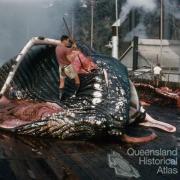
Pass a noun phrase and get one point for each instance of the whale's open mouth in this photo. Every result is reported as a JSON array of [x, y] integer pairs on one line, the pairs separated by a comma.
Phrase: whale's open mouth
[[17, 113], [102, 102]]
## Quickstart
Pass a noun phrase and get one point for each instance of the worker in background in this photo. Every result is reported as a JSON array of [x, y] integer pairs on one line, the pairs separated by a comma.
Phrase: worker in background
[[157, 73]]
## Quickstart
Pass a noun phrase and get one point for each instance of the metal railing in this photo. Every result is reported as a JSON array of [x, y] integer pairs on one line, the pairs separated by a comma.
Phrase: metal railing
[[169, 79]]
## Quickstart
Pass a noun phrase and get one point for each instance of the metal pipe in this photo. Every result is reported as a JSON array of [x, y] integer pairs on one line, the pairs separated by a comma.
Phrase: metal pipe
[[92, 22], [115, 47], [135, 53], [114, 43], [117, 34], [161, 31], [115, 38], [116, 17], [126, 51]]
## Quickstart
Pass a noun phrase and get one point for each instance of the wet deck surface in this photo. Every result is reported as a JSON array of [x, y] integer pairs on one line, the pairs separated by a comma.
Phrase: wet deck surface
[[34, 158]]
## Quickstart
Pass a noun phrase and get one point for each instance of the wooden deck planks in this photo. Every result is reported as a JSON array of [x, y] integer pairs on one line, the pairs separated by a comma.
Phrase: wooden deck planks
[[42, 158]]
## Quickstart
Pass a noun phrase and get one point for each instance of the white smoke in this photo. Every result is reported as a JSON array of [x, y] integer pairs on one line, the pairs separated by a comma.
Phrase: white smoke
[[177, 15], [24, 19], [139, 30], [145, 5], [172, 7]]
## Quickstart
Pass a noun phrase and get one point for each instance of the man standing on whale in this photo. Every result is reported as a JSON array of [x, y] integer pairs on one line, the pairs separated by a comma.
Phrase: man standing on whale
[[64, 58]]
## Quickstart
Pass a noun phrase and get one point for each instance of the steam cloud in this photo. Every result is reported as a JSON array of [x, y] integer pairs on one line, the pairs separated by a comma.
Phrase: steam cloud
[[145, 5], [172, 7], [139, 30], [21, 20]]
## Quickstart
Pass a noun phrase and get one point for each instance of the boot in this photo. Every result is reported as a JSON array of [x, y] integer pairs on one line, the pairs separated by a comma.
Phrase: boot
[[12, 93], [77, 88], [61, 90]]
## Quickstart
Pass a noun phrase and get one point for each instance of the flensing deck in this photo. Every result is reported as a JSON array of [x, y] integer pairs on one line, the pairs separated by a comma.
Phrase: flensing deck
[[43, 159]]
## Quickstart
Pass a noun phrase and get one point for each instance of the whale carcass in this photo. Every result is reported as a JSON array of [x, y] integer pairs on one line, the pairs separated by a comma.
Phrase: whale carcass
[[106, 102]]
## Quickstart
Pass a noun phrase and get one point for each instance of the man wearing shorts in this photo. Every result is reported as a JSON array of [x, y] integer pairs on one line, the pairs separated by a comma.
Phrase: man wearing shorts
[[157, 71], [64, 58]]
